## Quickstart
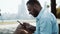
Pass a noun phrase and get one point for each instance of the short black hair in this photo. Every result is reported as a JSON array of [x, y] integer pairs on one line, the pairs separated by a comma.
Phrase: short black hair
[[32, 2]]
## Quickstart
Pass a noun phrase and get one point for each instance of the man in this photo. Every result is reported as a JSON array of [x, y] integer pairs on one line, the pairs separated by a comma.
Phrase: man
[[46, 22]]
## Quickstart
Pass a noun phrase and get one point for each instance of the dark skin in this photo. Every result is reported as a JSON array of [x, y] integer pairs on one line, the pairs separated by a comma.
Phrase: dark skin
[[34, 9]]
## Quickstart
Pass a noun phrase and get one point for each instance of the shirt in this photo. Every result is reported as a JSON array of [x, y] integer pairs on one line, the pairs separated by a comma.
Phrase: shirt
[[46, 23]]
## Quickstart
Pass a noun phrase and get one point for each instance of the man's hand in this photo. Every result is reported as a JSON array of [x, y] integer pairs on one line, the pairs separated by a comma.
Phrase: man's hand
[[29, 27], [21, 31], [26, 24]]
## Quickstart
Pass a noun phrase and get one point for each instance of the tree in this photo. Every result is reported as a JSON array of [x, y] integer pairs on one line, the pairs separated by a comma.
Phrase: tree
[[53, 7]]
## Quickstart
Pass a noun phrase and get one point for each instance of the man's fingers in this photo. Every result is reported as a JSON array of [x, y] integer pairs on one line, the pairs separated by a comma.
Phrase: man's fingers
[[24, 31], [24, 23]]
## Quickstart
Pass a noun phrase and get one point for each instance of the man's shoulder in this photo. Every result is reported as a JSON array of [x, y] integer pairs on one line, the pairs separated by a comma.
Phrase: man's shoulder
[[49, 16]]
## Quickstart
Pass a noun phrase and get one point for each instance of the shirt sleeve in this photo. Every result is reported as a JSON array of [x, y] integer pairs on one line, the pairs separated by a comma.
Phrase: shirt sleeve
[[45, 26]]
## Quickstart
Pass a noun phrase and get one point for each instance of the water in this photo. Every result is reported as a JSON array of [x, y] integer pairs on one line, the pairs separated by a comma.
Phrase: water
[[10, 28]]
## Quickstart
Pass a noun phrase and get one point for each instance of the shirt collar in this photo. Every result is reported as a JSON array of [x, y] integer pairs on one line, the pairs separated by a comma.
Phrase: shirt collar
[[40, 13]]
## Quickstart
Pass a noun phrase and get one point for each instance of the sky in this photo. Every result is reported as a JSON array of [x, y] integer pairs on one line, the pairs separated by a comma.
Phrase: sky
[[11, 6]]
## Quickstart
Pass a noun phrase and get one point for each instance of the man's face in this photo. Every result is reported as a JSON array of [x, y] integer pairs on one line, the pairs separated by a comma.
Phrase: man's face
[[32, 10]]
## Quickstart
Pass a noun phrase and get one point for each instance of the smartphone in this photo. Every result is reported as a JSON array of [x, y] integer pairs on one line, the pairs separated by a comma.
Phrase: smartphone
[[20, 22]]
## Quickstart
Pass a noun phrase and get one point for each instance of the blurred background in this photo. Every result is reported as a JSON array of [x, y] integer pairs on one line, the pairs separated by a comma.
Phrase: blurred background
[[13, 10]]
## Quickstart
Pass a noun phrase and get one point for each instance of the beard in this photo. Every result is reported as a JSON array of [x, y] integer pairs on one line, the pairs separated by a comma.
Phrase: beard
[[35, 14]]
